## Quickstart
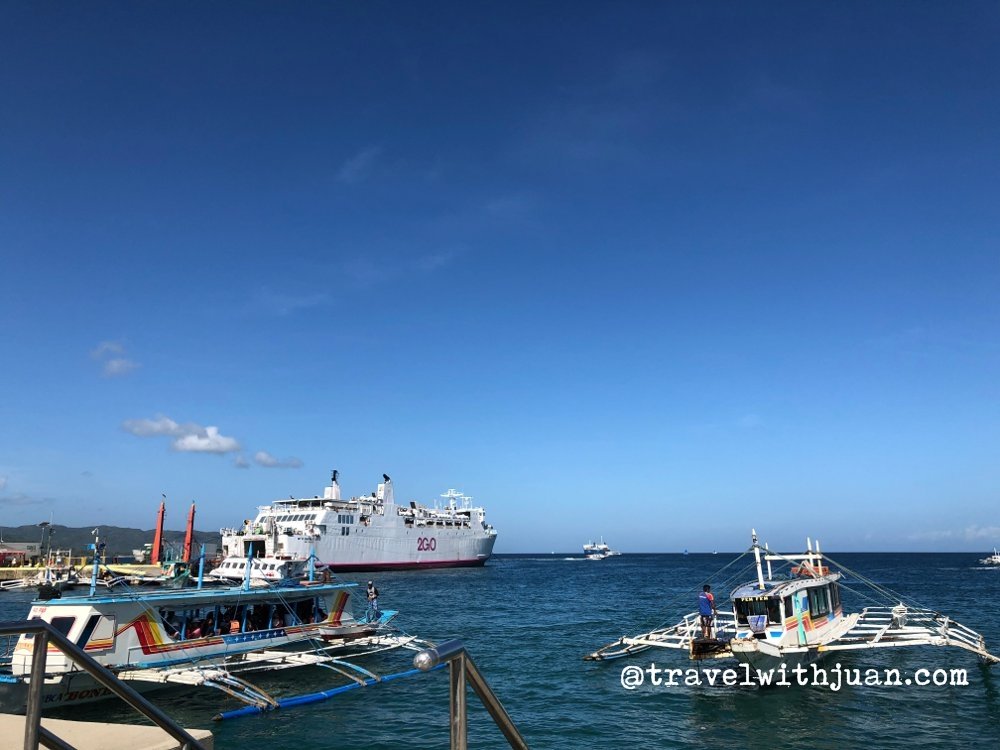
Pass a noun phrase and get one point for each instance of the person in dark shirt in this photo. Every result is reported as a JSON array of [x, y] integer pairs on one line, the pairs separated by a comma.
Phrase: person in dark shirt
[[372, 594]]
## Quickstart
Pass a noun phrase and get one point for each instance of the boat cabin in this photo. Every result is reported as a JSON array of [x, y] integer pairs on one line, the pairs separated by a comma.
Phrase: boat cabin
[[784, 605]]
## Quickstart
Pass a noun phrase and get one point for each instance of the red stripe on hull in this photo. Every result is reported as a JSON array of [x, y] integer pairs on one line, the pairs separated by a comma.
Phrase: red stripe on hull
[[349, 567]]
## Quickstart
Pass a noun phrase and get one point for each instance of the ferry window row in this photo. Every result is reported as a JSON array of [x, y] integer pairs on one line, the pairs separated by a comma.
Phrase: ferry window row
[[345, 518], [298, 517], [230, 564]]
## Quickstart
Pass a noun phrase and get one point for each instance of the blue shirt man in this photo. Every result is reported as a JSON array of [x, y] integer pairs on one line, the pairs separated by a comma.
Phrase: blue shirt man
[[707, 610]]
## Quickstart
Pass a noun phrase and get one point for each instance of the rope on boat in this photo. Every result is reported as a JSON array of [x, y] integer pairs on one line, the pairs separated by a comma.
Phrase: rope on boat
[[723, 584], [605, 652], [890, 595]]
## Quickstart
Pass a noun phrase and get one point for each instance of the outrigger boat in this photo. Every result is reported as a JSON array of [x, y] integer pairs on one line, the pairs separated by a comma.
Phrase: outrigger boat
[[49, 581], [797, 617], [993, 559], [199, 637]]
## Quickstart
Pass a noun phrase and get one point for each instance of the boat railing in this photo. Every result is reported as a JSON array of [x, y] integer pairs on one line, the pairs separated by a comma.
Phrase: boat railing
[[7, 644], [463, 670], [44, 636]]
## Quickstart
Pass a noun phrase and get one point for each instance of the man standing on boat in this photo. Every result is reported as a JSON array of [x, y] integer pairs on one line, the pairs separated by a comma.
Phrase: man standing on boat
[[707, 610], [372, 594]]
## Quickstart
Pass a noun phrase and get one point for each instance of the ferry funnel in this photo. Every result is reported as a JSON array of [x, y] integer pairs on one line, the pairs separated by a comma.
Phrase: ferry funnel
[[333, 491], [385, 490]]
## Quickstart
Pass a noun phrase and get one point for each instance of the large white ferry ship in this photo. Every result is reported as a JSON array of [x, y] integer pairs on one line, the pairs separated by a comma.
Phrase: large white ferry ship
[[366, 533]]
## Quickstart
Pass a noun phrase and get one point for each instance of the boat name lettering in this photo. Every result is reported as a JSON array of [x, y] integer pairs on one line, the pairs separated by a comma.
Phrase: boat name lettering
[[426, 544], [77, 695]]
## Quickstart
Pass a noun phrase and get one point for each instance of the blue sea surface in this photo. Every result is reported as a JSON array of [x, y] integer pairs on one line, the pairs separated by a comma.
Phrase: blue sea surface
[[528, 620]]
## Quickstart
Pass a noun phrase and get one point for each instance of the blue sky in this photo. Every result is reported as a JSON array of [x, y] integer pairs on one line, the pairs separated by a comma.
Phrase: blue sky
[[657, 271]]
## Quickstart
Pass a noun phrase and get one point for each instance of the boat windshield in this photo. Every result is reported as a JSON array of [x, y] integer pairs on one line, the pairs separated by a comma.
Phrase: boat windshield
[[764, 605]]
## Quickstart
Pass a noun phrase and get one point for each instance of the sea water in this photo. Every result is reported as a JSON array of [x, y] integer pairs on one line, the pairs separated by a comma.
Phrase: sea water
[[528, 620]]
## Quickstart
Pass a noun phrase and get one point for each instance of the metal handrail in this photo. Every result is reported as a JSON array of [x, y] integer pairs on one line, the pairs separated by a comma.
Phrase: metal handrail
[[461, 668], [44, 634]]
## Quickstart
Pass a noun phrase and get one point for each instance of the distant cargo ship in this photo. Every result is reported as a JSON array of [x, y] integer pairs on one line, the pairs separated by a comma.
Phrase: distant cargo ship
[[366, 533]]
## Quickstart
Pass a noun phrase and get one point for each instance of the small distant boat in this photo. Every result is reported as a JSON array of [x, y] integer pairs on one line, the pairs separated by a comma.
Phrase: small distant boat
[[599, 551], [993, 559]]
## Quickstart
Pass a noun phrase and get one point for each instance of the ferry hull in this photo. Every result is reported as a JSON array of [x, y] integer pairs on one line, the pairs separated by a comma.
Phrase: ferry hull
[[405, 565]]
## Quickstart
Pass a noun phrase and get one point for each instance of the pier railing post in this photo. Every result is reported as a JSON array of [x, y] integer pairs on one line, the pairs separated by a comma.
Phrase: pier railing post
[[44, 635], [459, 718], [33, 709], [461, 670]]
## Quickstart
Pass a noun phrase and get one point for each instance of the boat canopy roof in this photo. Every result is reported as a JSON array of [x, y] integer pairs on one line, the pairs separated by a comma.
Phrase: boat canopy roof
[[779, 588], [205, 596]]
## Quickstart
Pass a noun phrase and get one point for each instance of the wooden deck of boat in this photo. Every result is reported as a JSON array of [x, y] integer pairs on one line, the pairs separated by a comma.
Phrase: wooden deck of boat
[[91, 735]]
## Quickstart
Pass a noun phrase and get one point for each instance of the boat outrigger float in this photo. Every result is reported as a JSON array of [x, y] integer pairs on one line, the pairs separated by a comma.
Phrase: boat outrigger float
[[796, 617], [208, 637]]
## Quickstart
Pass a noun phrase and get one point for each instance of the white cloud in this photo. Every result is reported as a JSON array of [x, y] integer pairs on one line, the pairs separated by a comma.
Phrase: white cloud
[[119, 366], [358, 166], [241, 463], [971, 533], [285, 304], [112, 354], [265, 459], [3, 482], [159, 426], [367, 271], [434, 261], [207, 441], [188, 437], [107, 349], [982, 532], [21, 499]]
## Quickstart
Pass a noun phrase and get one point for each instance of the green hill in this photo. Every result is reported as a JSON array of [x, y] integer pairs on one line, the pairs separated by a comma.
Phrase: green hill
[[120, 541]]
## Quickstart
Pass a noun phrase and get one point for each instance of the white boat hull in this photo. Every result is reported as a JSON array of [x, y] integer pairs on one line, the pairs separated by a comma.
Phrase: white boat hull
[[764, 656]]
